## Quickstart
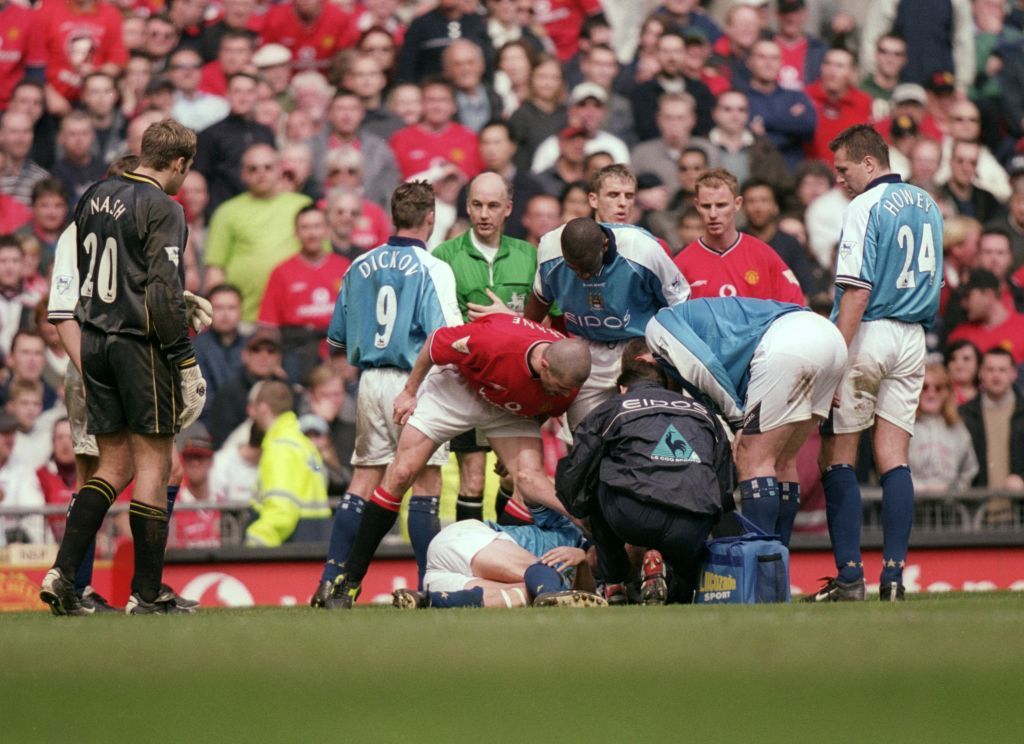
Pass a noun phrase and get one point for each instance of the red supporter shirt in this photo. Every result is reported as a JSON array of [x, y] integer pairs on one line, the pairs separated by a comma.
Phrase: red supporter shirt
[[749, 268], [1008, 335], [78, 42], [417, 148], [491, 354], [312, 46], [56, 491], [301, 293], [13, 214], [562, 20], [21, 45], [835, 116], [794, 58], [212, 79]]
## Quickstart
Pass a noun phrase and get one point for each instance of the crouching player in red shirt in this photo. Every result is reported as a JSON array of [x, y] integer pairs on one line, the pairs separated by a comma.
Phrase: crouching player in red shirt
[[499, 374]]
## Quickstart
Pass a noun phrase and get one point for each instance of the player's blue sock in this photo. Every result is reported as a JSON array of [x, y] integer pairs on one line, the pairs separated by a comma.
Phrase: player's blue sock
[[897, 518], [172, 496], [842, 509], [346, 524], [83, 577], [541, 578], [466, 598], [423, 526], [761, 501], [789, 505]]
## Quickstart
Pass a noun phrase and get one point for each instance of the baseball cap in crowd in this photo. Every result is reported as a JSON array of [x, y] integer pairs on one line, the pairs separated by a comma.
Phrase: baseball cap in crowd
[[648, 181], [903, 126], [981, 279], [197, 446], [694, 35], [570, 132], [272, 55], [264, 336], [583, 91], [8, 423], [159, 85], [791, 6], [941, 83], [1016, 166], [311, 423], [909, 93]]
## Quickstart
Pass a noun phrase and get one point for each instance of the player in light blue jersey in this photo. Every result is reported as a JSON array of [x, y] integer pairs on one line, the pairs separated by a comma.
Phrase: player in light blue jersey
[[608, 280], [483, 564], [888, 277], [391, 300], [770, 368]]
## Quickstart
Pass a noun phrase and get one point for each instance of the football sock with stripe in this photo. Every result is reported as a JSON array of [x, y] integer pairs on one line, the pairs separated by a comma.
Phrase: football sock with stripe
[[468, 507], [515, 514], [897, 518], [85, 516], [542, 578], [760, 500], [466, 598], [346, 524], [149, 533], [379, 517], [789, 505], [842, 509], [423, 525]]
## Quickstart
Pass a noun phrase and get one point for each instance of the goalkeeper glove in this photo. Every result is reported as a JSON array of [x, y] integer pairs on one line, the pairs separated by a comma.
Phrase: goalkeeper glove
[[193, 395], [198, 311]]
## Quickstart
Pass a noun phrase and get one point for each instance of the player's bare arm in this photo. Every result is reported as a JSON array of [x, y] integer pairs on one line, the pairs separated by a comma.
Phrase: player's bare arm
[[70, 335], [405, 401], [851, 309], [536, 309]]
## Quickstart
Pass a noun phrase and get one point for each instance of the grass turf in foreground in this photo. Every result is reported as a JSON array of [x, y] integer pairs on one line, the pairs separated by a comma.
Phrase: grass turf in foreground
[[949, 668]]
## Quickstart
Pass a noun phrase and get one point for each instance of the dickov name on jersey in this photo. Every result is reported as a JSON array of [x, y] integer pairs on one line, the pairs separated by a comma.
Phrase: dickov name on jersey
[[393, 259], [115, 209]]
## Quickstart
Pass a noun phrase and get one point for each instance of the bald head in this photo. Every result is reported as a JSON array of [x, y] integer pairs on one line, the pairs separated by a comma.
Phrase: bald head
[[488, 204], [568, 362], [583, 246]]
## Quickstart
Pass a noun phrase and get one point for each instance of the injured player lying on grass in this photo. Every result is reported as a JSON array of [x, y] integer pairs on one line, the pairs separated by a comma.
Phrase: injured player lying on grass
[[484, 564]]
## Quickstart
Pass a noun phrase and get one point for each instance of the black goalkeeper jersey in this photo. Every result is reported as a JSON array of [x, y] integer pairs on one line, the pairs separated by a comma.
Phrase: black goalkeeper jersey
[[130, 239]]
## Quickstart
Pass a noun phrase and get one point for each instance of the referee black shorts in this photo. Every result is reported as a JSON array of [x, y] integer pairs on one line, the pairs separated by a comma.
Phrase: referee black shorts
[[129, 384], [467, 442]]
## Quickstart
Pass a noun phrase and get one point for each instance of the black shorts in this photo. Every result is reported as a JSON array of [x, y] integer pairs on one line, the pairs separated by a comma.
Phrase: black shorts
[[466, 442], [129, 384]]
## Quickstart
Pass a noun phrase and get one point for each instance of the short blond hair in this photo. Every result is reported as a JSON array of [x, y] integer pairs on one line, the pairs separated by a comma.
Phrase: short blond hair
[[164, 142]]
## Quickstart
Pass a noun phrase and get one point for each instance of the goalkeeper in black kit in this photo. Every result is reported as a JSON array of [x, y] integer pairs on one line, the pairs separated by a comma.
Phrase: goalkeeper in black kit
[[141, 378]]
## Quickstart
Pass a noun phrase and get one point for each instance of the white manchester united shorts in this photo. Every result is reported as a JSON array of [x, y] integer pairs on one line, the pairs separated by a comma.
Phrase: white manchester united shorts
[[447, 406]]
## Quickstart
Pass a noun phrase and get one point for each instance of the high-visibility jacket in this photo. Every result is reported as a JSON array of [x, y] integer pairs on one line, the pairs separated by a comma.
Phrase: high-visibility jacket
[[291, 491]]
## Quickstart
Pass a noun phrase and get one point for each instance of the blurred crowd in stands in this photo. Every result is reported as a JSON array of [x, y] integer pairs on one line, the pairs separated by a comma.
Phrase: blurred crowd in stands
[[303, 103]]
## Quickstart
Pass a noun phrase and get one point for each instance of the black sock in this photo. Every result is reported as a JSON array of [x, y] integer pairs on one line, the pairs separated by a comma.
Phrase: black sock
[[149, 532], [500, 500], [469, 507], [377, 522], [85, 516]]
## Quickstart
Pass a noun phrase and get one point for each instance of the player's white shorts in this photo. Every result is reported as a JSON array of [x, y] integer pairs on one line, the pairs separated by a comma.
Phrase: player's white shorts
[[82, 441], [605, 368], [376, 431], [794, 372], [450, 555], [447, 406], [884, 375]]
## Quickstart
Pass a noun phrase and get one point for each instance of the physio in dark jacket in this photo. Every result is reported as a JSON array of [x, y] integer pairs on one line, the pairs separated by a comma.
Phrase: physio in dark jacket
[[649, 467]]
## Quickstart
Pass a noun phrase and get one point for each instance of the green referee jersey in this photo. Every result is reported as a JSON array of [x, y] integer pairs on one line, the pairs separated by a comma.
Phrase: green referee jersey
[[510, 276]]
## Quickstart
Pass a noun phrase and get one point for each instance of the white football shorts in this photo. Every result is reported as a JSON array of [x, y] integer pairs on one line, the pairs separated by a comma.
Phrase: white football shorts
[[451, 552], [82, 441], [794, 372], [376, 431], [883, 377]]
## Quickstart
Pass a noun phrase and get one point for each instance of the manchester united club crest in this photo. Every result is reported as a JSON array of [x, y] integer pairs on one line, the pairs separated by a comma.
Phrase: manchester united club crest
[[751, 277], [595, 300]]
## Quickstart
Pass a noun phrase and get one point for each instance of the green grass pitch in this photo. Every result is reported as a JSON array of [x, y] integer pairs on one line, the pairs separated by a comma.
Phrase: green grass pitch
[[942, 669]]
